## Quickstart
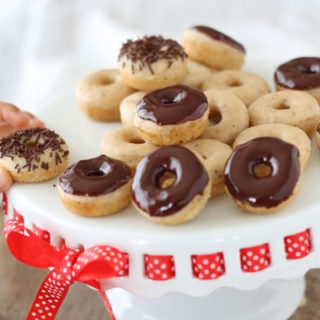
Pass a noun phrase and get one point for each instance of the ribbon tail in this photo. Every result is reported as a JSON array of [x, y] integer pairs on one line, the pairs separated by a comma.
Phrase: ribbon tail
[[95, 284], [48, 299]]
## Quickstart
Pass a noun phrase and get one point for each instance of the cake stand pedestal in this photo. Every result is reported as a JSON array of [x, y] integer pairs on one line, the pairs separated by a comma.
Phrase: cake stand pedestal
[[276, 300]]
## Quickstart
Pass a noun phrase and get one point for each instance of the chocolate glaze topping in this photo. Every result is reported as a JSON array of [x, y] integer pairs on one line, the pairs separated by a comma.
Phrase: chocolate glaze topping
[[318, 128], [146, 51], [172, 105], [30, 144], [94, 177], [217, 35], [270, 191], [191, 179], [301, 73]]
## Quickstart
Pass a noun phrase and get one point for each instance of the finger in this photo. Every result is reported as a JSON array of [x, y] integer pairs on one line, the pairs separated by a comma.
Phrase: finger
[[11, 114], [6, 129], [34, 121], [6, 180]]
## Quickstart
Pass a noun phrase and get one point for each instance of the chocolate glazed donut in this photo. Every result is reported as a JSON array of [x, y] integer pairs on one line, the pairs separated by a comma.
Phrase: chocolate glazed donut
[[269, 191], [191, 179], [94, 177], [172, 105], [95, 187], [300, 74]]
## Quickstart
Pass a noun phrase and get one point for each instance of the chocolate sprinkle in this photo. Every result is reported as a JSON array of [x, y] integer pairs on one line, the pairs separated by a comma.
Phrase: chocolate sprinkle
[[23, 145], [148, 50]]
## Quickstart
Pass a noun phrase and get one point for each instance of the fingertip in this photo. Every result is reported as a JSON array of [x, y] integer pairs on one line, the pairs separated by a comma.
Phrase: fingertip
[[6, 180]]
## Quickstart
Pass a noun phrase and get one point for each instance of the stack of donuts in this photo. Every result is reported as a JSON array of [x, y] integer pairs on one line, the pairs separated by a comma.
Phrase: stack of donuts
[[194, 126]]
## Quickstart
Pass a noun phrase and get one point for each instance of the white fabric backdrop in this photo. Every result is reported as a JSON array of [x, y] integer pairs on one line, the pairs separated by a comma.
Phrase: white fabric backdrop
[[46, 46]]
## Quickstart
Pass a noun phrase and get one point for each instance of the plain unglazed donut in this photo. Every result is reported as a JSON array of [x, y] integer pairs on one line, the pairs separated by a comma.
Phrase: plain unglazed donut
[[33, 155], [291, 107], [301, 74], [197, 74], [125, 144], [99, 95], [247, 86], [176, 203], [213, 48], [152, 62], [215, 155], [172, 115], [263, 175], [292, 135], [128, 107], [232, 115], [95, 187]]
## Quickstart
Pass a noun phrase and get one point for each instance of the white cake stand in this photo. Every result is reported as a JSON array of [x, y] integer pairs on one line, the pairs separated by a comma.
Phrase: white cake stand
[[273, 293]]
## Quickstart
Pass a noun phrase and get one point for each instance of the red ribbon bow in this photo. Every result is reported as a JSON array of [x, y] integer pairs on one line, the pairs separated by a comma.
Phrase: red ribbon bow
[[68, 266]]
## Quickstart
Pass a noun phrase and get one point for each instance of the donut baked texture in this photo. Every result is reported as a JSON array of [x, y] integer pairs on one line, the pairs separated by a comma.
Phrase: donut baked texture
[[152, 62], [125, 144], [197, 74], [291, 107], [247, 86], [99, 95], [267, 190], [215, 155], [228, 116], [172, 115], [301, 74], [213, 48], [128, 107], [289, 134], [96, 187], [33, 155], [183, 199]]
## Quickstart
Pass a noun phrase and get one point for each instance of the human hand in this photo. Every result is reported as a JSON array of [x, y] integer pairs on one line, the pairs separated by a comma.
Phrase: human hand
[[11, 120]]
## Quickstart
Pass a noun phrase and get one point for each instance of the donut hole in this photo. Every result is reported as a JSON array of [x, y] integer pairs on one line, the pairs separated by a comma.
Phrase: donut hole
[[235, 83], [214, 117], [136, 141], [167, 179], [262, 170], [282, 106], [31, 144], [94, 173], [173, 96], [106, 81], [309, 69]]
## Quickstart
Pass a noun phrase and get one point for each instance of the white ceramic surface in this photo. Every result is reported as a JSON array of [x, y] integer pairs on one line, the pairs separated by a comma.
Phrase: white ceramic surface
[[221, 226]]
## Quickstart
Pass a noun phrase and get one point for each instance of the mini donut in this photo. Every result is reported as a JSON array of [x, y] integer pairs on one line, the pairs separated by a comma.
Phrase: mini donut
[[176, 203], [128, 107], [317, 135], [215, 155], [126, 145], [247, 86], [172, 115], [197, 74], [270, 191], [99, 95], [289, 134], [213, 48], [300, 74], [152, 62], [228, 114], [33, 155], [96, 187], [291, 107]]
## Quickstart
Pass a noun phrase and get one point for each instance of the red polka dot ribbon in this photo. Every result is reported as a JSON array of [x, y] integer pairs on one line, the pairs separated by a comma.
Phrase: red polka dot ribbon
[[43, 234], [5, 203], [298, 245], [159, 267], [68, 265], [208, 266], [255, 259]]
